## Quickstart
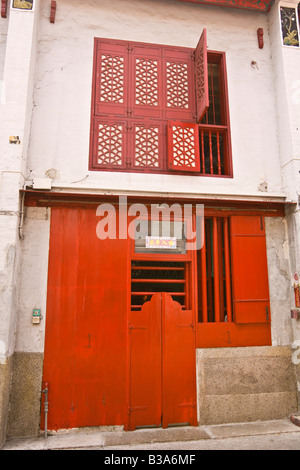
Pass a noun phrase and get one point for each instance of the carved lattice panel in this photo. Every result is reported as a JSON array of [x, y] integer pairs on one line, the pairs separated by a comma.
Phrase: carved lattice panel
[[177, 85], [112, 79], [183, 146], [146, 82], [146, 147], [110, 144], [201, 72]]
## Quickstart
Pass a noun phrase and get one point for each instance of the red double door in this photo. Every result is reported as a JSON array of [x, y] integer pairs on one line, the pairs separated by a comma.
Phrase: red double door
[[162, 364]]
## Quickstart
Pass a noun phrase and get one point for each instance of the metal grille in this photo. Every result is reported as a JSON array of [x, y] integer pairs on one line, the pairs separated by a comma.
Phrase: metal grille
[[214, 273]]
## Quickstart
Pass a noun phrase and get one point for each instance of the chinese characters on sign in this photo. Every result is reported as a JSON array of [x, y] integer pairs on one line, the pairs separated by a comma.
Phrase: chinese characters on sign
[[22, 4], [161, 242]]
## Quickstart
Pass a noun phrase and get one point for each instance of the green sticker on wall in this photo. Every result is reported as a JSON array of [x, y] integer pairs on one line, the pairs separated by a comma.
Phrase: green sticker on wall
[[22, 4]]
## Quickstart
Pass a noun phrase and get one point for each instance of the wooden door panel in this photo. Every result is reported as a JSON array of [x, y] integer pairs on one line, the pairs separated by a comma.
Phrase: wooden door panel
[[145, 364], [86, 339], [179, 364], [162, 364]]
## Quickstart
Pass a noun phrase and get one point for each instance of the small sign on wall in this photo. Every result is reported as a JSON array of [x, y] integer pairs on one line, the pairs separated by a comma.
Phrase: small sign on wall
[[25, 5]]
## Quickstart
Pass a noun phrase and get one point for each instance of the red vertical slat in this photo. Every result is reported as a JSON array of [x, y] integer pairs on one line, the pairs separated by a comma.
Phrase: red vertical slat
[[204, 280], [218, 151], [227, 270], [210, 154], [202, 152], [212, 93], [201, 73], [216, 270]]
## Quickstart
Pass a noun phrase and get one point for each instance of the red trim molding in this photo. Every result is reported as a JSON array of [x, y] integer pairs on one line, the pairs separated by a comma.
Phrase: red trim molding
[[34, 198], [257, 5]]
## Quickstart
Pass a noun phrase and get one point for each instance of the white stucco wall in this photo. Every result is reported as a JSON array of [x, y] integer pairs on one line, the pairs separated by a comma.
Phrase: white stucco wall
[[32, 288], [59, 143]]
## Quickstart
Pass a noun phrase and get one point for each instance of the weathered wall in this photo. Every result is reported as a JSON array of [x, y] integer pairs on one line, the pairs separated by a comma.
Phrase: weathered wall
[[17, 70], [26, 364], [245, 384], [279, 269]]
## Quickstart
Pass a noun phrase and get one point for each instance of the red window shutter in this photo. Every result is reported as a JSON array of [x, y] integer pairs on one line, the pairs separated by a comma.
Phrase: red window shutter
[[110, 143], [183, 147], [147, 141], [201, 76], [178, 84], [112, 74], [250, 285], [146, 81]]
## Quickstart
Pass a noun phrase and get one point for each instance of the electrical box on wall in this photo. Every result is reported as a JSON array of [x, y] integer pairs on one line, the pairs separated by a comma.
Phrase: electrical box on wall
[[42, 183], [36, 316]]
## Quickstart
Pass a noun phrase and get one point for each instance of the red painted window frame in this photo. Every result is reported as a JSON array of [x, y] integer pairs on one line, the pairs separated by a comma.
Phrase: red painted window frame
[[250, 313], [164, 142], [219, 58]]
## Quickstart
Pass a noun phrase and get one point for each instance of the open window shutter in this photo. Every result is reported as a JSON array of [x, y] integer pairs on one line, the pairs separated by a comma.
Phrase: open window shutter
[[249, 270], [201, 77], [183, 146]]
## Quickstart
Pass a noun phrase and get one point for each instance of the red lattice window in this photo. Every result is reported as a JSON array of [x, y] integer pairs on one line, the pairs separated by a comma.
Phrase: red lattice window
[[149, 104]]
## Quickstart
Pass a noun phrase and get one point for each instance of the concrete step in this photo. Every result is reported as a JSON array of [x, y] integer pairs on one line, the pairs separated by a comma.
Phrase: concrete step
[[89, 438]]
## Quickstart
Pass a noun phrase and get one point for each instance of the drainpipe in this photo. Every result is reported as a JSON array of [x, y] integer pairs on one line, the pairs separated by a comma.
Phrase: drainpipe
[[45, 391]]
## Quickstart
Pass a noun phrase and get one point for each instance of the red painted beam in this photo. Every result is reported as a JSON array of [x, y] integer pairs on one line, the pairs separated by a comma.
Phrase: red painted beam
[[261, 5]]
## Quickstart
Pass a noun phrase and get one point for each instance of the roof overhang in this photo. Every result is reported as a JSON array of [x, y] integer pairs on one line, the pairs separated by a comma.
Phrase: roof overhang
[[254, 5]]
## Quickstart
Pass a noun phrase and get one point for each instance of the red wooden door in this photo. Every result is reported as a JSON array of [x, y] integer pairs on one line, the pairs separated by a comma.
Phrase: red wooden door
[[179, 364], [86, 324], [162, 364]]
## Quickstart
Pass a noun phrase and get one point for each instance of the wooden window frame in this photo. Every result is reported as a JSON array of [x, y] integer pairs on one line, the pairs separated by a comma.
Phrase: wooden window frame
[[164, 166], [219, 58], [249, 322]]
